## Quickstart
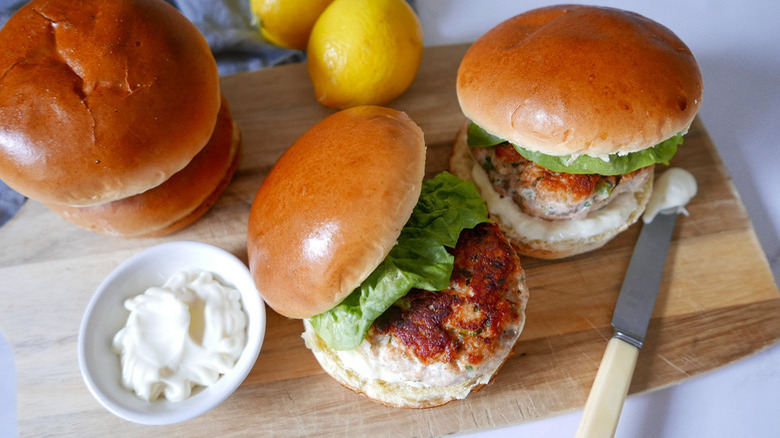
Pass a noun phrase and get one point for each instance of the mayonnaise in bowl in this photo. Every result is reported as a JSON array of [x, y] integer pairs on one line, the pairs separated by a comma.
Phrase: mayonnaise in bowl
[[105, 316], [180, 335]]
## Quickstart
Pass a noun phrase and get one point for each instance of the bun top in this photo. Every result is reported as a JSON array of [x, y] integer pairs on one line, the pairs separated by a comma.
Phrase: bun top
[[580, 80], [100, 100], [178, 201], [333, 206]]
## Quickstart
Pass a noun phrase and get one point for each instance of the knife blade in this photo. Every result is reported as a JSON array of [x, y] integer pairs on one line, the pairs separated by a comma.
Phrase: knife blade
[[630, 321], [643, 278]]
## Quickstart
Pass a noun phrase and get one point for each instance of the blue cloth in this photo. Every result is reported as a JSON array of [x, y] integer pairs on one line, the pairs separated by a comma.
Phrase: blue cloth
[[235, 39], [232, 33], [10, 202]]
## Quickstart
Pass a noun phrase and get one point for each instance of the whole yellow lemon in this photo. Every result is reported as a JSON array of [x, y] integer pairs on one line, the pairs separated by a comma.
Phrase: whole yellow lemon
[[288, 23], [364, 52]]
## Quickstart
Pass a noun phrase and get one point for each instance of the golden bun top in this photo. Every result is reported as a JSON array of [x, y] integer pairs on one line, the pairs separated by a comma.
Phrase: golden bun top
[[101, 100], [333, 206], [174, 204], [580, 80]]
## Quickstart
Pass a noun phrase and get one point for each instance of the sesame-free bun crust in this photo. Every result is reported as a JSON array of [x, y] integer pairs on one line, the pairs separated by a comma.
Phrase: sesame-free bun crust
[[332, 207], [174, 204], [101, 100], [580, 80], [462, 164]]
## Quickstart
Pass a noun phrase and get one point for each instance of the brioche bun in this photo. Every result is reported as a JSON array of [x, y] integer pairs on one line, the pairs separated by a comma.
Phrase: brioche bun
[[557, 239], [580, 80], [332, 207], [174, 204], [102, 100]]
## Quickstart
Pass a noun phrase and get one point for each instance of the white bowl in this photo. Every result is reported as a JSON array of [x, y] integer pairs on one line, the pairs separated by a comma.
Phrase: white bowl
[[105, 315]]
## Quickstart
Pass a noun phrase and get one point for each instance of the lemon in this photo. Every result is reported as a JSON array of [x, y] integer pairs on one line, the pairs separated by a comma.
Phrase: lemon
[[364, 52], [288, 23]]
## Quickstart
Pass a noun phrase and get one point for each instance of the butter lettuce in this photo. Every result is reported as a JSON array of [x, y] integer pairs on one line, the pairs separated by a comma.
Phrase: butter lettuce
[[447, 206], [616, 165]]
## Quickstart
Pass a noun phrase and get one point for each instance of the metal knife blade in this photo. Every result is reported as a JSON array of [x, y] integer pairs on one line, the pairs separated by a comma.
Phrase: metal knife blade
[[640, 286]]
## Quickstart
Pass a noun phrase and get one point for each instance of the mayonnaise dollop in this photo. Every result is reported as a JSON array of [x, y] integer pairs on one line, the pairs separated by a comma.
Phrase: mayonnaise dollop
[[671, 191], [185, 333]]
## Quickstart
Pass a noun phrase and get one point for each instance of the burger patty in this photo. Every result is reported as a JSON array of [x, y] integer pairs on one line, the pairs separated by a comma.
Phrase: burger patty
[[446, 337], [552, 195]]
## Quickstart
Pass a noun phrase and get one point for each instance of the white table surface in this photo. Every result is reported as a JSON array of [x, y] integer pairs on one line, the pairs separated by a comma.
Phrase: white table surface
[[736, 44], [737, 47]]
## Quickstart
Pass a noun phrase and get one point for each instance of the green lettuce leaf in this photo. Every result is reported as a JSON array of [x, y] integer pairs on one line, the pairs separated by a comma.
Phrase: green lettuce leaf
[[447, 206], [478, 137], [617, 164]]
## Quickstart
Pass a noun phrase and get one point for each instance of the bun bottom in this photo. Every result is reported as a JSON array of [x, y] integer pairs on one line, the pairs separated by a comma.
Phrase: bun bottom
[[174, 204], [399, 394], [562, 244]]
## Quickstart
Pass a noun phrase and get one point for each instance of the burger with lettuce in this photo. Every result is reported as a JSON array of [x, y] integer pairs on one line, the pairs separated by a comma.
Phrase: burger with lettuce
[[409, 294], [570, 108]]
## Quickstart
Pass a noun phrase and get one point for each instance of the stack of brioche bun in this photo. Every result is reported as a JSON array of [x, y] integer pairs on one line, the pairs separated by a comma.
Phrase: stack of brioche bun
[[111, 115]]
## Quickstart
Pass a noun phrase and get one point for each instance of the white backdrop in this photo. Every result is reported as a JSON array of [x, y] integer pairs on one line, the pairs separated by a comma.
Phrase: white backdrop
[[736, 46]]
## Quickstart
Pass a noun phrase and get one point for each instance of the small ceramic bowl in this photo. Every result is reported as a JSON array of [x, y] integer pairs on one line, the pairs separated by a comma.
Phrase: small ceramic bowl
[[105, 315]]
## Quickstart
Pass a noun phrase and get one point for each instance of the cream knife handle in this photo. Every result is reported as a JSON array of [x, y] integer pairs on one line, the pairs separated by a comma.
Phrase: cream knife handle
[[605, 401]]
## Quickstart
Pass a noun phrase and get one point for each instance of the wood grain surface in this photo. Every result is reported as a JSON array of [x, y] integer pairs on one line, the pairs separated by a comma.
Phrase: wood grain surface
[[718, 301]]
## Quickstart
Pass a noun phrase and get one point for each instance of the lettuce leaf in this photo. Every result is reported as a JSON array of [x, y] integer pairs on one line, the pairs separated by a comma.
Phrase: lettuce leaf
[[617, 164], [447, 206], [478, 137]]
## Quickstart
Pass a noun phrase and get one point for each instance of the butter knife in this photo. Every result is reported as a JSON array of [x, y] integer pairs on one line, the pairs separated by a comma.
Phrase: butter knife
[[629, 320]]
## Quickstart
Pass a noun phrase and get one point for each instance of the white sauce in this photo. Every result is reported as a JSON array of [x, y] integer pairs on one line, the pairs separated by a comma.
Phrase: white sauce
[[186, 333], [595, 223], [672, 191]]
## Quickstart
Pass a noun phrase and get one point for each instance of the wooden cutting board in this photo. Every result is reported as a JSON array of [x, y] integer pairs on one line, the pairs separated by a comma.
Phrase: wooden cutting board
[[718, 301]]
